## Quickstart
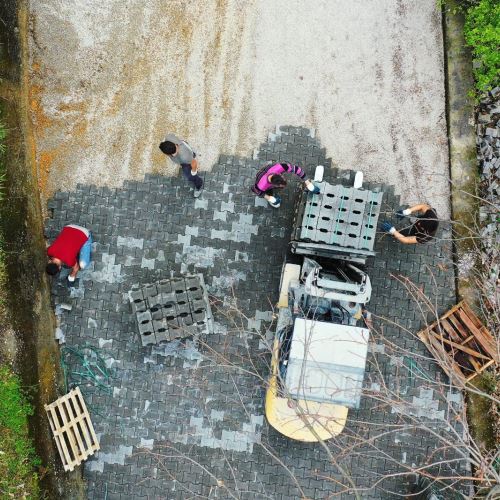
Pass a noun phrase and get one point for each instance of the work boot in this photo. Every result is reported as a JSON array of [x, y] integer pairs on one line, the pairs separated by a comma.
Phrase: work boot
[[197, 191], [275, 201], [72, 282]]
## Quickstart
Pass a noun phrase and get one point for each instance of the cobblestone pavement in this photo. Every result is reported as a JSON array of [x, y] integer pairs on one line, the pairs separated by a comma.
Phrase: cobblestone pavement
[[183, 421]]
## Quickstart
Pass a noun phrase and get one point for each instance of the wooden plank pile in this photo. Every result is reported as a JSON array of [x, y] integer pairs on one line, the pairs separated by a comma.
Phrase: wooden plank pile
[[462, 345], [72, 429]]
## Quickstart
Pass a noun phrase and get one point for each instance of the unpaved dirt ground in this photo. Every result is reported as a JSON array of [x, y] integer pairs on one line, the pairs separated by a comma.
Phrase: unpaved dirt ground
[[109, 79]]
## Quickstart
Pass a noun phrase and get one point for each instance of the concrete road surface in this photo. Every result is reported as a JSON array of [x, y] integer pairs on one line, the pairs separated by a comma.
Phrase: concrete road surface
[[110, 79]]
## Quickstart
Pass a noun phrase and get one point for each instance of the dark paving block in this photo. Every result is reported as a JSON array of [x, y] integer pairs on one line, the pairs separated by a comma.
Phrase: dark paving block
[[204, 397]]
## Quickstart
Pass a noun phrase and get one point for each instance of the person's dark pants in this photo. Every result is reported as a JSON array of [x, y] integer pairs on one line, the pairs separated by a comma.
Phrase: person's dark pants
[[195, 179]]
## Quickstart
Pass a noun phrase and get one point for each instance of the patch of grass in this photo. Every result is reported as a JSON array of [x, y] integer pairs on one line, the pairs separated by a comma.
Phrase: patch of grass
[[18, 461], [3, 279], [482, 34]]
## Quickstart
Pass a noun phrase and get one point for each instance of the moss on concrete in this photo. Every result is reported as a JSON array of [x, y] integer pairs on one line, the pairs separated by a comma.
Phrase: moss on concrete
[[462, 142], [464, 174], [478, 407], [28, 294]]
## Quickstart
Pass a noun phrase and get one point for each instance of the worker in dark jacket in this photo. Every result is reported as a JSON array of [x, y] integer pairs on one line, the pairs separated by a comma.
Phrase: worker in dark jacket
[[270, 177], [72, 249], [422, 230]]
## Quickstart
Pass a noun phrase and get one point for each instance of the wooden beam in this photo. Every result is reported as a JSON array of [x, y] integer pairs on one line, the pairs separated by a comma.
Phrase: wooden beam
[[448, 328], [446, 362], [458, 326], [472, 315], [435, 323], [484, 338], [460, 347], [474, 363]]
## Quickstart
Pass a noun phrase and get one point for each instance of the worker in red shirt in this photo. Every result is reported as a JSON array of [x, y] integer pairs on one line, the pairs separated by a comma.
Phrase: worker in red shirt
[[72, 249]]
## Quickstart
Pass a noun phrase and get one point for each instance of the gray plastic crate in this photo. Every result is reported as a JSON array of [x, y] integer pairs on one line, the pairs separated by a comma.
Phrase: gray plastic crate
[[339, 216], [182, 307], [164, 286], [149, 291], [172, 309]]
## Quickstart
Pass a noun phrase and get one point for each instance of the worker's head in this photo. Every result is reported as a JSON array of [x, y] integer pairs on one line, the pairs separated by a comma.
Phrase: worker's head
[[427, 223], [168, 147], [277, 181], [53, 267]]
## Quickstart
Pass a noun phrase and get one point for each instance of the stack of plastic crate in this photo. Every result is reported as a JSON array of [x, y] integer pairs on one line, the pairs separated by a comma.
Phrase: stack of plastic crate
[[338, 222], [172, 309]]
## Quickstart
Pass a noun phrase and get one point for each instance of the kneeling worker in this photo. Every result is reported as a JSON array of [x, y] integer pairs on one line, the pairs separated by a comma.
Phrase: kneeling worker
[[422, 231], [269, 178], [72, 249]]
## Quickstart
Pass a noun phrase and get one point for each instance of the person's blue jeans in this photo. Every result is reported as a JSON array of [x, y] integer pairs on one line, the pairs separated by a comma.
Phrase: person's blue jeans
[[195, 179], [84, 257]]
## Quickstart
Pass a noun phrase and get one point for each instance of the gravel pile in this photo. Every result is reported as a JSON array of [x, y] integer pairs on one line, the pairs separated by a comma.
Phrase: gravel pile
[[488, 154]]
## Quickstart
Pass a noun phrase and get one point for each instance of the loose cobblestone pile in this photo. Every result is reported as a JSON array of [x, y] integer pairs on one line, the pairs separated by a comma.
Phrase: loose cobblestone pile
[[488, 155], [187, 419]]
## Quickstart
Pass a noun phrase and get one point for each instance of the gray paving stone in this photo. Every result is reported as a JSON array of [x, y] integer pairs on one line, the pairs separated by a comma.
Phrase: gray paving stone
[[187, 395]]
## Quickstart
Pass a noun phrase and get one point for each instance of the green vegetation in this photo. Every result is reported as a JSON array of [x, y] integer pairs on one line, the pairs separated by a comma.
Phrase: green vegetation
[[18, 462], [17, 457], [3, 134], [482, 34]]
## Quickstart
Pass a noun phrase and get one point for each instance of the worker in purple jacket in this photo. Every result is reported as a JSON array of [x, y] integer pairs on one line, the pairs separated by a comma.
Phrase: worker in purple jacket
[[270, 177]]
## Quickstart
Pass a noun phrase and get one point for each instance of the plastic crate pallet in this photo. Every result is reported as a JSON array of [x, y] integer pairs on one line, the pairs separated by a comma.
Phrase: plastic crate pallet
[[171, 309], [340, 216]]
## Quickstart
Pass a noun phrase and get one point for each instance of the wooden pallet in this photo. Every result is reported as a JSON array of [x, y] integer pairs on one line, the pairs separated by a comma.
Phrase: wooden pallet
[[463, 346], [72, 429]]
